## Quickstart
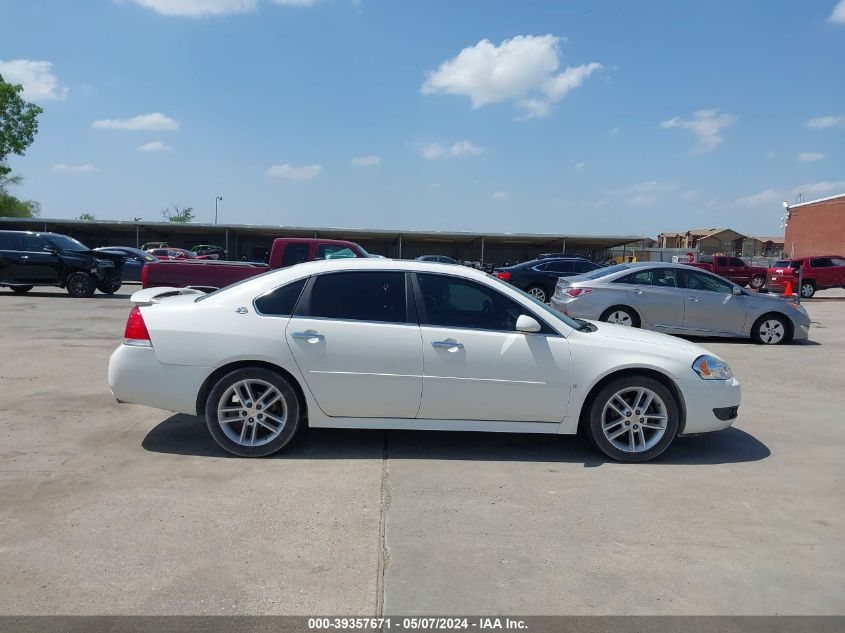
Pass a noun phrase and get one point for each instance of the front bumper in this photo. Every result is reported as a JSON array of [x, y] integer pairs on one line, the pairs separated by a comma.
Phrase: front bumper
[[703, 397], [137, 376]]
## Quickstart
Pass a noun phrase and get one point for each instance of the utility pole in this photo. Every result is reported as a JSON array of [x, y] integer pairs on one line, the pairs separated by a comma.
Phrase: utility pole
[[216, 200]]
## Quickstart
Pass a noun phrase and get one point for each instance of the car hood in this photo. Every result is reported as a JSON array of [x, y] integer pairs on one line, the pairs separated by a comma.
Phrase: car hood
[[646, 338]]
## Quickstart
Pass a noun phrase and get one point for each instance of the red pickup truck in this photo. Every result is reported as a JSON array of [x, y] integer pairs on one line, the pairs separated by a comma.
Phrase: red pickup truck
[[817, 273], [209, 274], [733, 268]]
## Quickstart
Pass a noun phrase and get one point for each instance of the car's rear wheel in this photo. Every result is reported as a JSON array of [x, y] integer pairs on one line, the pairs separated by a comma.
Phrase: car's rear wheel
[[633, 419], [80, 284], [110, 286], [538, 292], [252, 412], [621, 315], [19, 290], [757, 282], [808, 289], [770, 329]]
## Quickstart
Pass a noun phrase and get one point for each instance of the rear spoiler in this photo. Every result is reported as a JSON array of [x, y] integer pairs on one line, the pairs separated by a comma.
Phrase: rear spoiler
[[149, 296]]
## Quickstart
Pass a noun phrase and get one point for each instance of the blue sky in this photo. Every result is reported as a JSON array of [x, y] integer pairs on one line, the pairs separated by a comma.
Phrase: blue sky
[[529, 116]]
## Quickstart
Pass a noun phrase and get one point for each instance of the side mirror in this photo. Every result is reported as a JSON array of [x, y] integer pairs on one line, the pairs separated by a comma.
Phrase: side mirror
[[525, 323], [736, 291]]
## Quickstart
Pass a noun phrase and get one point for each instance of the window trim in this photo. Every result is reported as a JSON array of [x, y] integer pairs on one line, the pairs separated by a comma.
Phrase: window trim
[[303, 305], [422, 313]]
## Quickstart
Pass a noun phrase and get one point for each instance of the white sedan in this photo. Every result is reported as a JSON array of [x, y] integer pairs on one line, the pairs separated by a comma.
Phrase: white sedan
[[384, 344]]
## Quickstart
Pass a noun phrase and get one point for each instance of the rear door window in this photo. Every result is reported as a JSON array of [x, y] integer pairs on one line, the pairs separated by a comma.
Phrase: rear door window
[[10, 241], [821, 262], [642, 278], [358, 296], [34, 243], [585, 267], [295, 253], [280, 301], [559, 266]]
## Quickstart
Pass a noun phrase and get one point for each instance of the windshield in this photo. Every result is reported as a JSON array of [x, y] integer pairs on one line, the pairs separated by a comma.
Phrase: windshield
[[65, 243], [547, 309]]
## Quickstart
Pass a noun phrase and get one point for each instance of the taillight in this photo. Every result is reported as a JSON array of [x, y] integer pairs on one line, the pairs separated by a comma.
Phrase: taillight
[[144, 271], [136, 330], [578, 292], [504, 276]]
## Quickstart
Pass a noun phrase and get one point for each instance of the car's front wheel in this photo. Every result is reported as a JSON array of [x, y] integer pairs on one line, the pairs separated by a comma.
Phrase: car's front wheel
[[80, 284], [252, 412], [621, 315], [757, 282], [770, 329], [633, 419], [19, 290]]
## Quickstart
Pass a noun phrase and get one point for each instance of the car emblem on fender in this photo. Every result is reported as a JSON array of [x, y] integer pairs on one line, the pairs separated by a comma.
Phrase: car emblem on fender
[[241, 310]]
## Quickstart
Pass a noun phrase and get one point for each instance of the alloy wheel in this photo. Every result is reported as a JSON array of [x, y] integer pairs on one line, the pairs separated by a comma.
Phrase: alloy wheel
[[634, 419], [620, 317], [772, 331], [252, 412], [807, 290], [538, 293]]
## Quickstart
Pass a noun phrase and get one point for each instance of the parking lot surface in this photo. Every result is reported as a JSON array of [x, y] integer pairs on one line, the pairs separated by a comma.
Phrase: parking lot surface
[[122, 509]]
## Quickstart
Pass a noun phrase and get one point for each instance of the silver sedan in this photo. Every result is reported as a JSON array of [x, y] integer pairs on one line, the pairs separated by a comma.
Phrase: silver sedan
[[679, 299]]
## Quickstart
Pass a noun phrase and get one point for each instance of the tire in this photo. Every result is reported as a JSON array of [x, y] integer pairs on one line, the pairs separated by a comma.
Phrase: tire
[[110, 286], [80, 284], [612, 432], [757, 282], [19, 290], [264, 436], [808, 289], [771, 329], [621, 315], [538, 292]]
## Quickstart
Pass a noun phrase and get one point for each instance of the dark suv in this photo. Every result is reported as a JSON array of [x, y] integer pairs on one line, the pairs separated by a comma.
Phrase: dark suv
[[539, 276], [48, 259]]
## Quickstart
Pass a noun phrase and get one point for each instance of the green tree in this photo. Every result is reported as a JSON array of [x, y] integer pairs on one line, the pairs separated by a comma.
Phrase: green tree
[[12, 207], [18, 127], [86, 216], [183, 215]]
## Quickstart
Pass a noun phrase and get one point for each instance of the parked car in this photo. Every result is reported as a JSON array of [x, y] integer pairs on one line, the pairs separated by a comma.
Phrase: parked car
[[173, 253], [209, 275], [440, 259], [337, 344], [134, 260], [678, 299], [209, 249], [733, 268], [539, 276], [148, 246], [30, 259], [818, 273], [562, 255]]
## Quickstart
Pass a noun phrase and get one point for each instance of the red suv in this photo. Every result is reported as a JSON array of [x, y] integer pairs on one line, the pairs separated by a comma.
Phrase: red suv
[[818, 273]]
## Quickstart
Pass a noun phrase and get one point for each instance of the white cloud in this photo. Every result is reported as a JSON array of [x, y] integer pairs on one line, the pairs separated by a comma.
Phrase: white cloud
[[578, 166], [521, 69], [153, 121], [198, 8], [613, 130], [769, 196], [642, 200], [806, 157], [771, 155], [431, 151], [64, 168], [822, 122], [808, 191], [500, 195], [838, 14], [296, 3], [292, 172], [706, 125], [366, 161], [154, 146], [36, 77]]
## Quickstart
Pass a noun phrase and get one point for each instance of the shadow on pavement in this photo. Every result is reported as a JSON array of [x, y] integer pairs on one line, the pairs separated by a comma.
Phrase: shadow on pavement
[[64, 295], [187, 435]]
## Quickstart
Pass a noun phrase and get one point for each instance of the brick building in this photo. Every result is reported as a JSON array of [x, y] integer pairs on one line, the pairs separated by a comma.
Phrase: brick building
[[816, 227]]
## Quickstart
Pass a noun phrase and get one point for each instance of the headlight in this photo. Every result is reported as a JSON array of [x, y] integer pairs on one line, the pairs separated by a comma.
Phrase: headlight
[[711, 368]]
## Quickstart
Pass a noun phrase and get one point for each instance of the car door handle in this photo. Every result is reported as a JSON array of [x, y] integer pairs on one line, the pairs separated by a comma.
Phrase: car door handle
[[309, 335], [694, 298], [447, 344], [24, 256]]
